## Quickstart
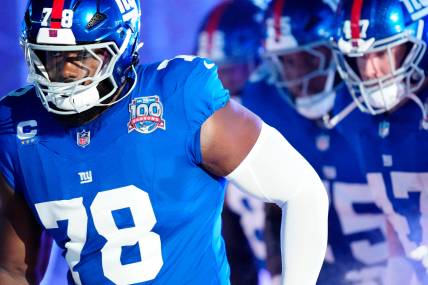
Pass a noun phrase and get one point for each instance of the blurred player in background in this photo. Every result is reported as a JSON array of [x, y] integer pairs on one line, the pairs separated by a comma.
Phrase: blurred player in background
[[231, 36], [123, 164], [293, 90], [381, 53]]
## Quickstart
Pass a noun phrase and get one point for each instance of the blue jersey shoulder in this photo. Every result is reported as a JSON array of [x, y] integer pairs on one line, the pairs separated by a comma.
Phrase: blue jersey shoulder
[[16, 106], [192, 79], [15, 110]]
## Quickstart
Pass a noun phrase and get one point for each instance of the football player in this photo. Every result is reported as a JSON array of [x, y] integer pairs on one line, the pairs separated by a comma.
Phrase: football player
[[381, 53], [231, 36], [123, 164], [293, 91]]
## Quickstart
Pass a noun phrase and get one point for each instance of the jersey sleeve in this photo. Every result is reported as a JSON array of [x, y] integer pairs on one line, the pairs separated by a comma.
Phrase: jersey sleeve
[[6, 166], [9, 162], [6, 147], [204, 94]]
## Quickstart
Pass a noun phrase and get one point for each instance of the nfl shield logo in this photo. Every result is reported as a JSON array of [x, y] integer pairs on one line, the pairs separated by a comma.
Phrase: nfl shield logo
[[323, 142], [53, 33], [384, 129], [83, 138]]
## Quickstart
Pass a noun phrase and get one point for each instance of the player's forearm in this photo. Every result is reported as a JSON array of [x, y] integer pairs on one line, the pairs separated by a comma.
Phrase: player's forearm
[[275, 172], [304, 234]]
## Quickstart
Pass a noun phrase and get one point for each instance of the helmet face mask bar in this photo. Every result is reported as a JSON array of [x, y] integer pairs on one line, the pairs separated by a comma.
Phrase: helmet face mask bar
[[64, 96], [381, 94], [47, 63], [324, 71]]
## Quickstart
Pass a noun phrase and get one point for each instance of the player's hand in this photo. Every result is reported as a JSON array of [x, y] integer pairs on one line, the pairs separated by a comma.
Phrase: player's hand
[[420, 254], [276, 280]]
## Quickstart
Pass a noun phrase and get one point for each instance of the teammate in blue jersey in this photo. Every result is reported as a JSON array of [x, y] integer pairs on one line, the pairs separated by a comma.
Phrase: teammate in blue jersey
[[293, 91], [381, 53], [123, 164], [231, 36]]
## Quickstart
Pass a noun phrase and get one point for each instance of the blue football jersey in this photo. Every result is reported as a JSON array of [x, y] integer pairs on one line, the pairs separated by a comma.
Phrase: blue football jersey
[[124, 195], [393, 151], [357, 247]]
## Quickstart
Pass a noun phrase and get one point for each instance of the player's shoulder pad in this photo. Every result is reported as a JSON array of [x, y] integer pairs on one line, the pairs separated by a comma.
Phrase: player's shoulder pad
[[196, 79], [20, 92], [15, 99], [177, 73], [183, 66]]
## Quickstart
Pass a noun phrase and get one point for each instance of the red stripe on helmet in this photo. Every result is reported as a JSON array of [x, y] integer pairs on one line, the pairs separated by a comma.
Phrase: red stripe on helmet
[[355, 19], [214, 22], [58, 6], [277, 13]]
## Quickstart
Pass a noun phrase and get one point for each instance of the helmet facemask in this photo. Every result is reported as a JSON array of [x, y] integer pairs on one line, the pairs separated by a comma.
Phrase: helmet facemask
[[313, 88], [72, 90], [385, 92]]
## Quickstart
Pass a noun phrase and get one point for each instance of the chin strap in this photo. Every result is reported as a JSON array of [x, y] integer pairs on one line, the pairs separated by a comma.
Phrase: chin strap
[[423, 108], [127, 93], [331, 122], [134, 62]]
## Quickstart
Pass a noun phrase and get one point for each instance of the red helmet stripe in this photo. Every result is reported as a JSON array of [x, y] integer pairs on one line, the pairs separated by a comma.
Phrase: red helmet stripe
[[58, 6], [214, 22], [355, 18], [277, 13]]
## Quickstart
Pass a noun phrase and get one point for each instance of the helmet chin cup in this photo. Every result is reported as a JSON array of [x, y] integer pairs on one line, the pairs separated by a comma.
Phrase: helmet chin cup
[[315, 107], [79, 101], [386, 97]]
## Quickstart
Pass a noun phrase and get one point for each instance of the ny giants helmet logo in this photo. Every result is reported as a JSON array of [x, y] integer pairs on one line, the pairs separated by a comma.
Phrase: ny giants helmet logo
[[128, 8], [416, 8], [146, 115]]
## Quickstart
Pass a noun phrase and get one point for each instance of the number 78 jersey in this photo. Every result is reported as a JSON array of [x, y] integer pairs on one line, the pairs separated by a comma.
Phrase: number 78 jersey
[[124, 196]]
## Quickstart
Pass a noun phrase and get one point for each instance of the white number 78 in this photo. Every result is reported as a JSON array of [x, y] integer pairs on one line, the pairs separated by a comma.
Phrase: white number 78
[[66, 19], [104, 204]]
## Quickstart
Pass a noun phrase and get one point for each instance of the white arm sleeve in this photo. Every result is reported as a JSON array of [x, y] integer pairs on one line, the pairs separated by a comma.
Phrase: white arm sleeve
[[275, 172]]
